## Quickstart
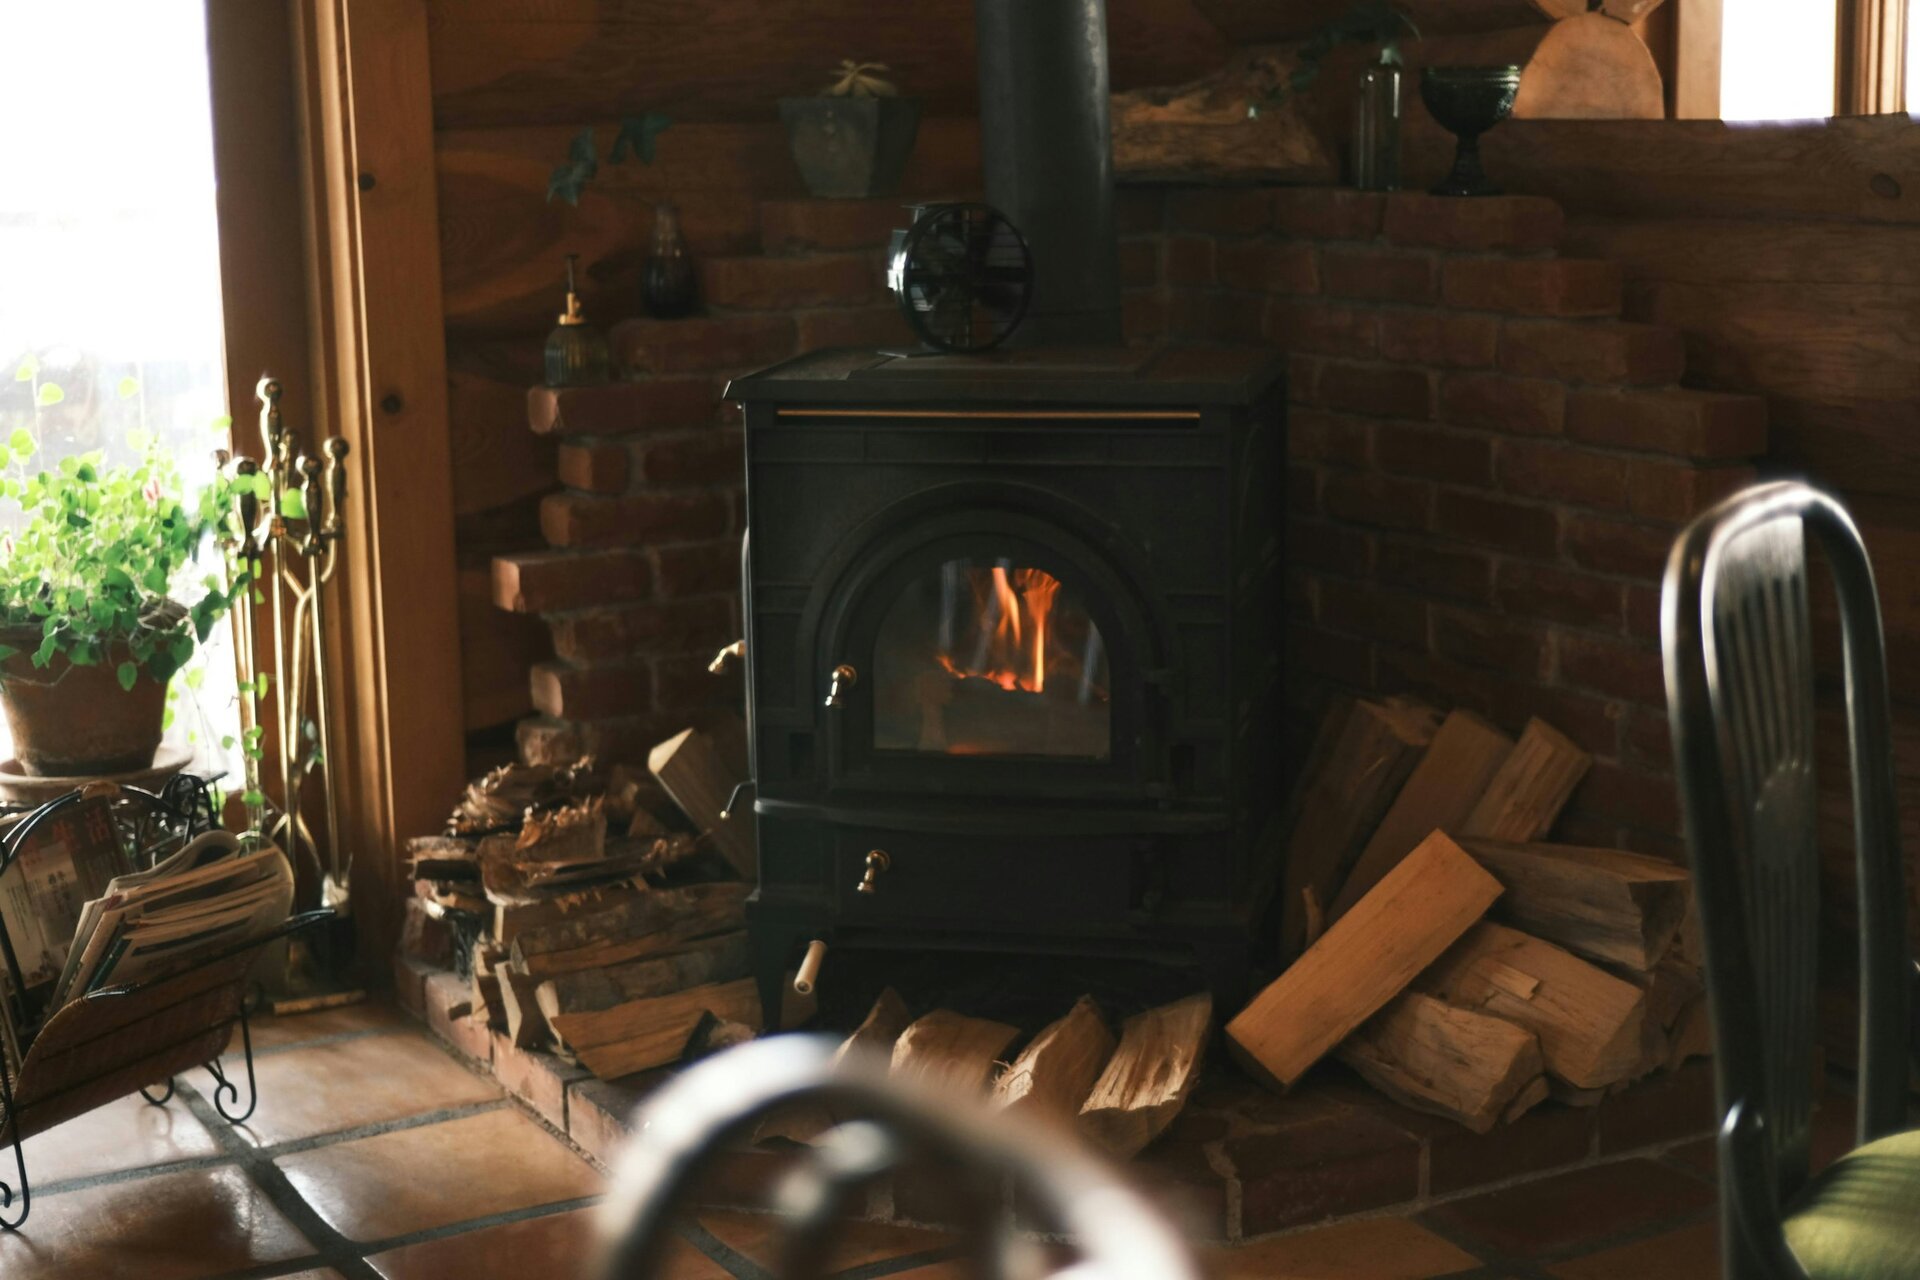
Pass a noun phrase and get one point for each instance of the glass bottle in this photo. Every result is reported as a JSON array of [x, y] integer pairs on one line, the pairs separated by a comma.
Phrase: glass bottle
[[667, 286], [576, 351], [1376, 129]]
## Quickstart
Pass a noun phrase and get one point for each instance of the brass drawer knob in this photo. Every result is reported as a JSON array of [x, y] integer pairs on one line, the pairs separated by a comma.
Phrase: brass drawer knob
[[839, 680], [877, 861]]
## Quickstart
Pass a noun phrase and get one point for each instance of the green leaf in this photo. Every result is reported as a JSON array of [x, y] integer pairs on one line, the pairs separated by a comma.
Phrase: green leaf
[[128, 388], [196, 677], [127, 674], [139, 440], [29, 366], [255, 798], [641, 132], [293, 505], [21, 443], [223, 424], [581, 149], [226, 742], [7, 651], [50, 394]]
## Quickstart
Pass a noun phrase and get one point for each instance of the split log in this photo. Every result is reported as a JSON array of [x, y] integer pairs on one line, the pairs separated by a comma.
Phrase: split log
[[1461, 761], [443, 858], [725, 958], [1530, 788], [571, 833], [1203, 129], [1527, 1099], [1465, 1065], [1149, 1077], [527, 1026], [1377, 746], [1415, 913], [878, 1033], [643, 1034], [690, 767], [1588, 1021], [951, 1053], [1056, 1072], [1622, 908], [511, 919], [640, 924], [1692, 1035]]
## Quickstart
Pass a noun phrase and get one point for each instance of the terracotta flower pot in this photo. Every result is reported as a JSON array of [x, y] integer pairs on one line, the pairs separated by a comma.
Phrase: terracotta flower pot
[[851, 148], [70, 721]]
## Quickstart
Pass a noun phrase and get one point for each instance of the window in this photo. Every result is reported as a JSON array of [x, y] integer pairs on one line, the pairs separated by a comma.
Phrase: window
[[110, 302], [1792, 59], [1777, 59]]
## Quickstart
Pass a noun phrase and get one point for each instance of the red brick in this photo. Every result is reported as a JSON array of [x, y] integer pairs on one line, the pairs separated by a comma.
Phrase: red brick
[[1138, 210], [1528, 468], [1593, 723], [1496, 222], [1327, 213], [1560, 595], [1143, 316], [1545, 1138], [1439, 571], [1363, 610], [759, 283], [712, 457], [1705, 425], [1319, 545], [1440, 681], [583, 520], [544, 741], [1402, 449], [1592, 351], [613, 740], [1478, 639], [1315, 435], [1643, 611], [449, 1014], [683, 682], [711, 568], [1324, 328], [1647, 740], [1303, 378], [1386, 391], [1190, 260], [1377, 274], [1343, 1162], [1612, 667], [1436, 338], [1275, 266], [1524, 406], [546, 581], [596, 466], [1233, 211], [616, 408], [1644, 801], [652, 628], [881, 326], [538, 1079], [1216, 316], [1371, 499], [791, 226], [700, 343], [1139, 263], [1616, 546], [565, 691], [1495, 522], [1533, 286], [1670, 491]]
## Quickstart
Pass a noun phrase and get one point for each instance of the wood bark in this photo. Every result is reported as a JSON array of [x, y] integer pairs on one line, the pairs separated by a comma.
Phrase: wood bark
[[1413, 915], [1442, 790], [1589, 1022], [643, 1034], [725, 958], [1377, 746], [1149, 1077], [1458, 1063], [1531, 787], [1056, 1072], [949, 1052], [692, 770], [1622, 908]]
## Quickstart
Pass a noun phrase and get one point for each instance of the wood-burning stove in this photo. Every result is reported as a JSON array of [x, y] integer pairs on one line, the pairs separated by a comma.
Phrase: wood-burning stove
[[1013, 654]]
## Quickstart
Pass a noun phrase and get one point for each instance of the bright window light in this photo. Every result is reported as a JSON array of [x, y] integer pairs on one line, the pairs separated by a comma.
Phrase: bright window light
[[1776, 59]]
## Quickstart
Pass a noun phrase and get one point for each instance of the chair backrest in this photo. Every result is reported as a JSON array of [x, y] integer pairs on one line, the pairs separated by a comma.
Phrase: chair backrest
[[1740, 698]]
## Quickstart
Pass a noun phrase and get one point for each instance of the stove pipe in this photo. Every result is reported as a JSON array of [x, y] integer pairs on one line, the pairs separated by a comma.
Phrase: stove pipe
[[1048, 153]]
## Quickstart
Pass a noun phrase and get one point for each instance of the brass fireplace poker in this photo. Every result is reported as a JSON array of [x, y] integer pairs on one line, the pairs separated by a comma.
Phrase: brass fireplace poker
[[290, 532]]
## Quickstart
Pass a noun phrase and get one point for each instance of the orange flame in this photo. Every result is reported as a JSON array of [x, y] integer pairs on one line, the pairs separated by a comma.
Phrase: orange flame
[[1012, 607]]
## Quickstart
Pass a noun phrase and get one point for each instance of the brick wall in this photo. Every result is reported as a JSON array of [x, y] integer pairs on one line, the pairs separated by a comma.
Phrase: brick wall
[[1487, 464]]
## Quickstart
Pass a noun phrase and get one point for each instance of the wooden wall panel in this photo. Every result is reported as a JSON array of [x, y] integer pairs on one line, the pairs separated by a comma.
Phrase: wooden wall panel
[[558, 61]]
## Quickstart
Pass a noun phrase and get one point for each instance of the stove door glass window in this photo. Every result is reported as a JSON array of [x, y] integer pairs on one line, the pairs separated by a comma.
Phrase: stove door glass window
[[985, 657]]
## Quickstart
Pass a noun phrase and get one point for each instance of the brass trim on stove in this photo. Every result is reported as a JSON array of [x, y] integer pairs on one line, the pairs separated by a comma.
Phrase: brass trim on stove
[[1050, 415]]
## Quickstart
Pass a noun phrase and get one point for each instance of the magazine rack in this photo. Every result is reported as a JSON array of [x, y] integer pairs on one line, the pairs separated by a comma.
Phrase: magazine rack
[[120, 1040]]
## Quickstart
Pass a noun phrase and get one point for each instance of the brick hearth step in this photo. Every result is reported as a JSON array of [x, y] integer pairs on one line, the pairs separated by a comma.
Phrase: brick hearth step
[[757, 283], [699, 344]]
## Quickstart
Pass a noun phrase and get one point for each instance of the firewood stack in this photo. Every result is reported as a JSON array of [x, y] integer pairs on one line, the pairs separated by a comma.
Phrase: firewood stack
[[1448, 955], [598, 918]]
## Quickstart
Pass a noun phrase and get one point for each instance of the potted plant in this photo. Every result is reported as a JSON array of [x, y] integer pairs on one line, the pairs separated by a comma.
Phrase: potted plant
[[852, 139], [93, 622]]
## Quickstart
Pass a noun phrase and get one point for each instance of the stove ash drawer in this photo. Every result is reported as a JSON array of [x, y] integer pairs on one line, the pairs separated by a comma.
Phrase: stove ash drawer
[[975, 882]]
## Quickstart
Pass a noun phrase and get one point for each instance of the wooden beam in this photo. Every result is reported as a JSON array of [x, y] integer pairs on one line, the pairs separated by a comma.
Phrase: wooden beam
[[1695, 87], [1870, 55]]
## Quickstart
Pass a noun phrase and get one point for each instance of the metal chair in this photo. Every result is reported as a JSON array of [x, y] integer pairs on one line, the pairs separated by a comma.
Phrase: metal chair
[[1739, 671]]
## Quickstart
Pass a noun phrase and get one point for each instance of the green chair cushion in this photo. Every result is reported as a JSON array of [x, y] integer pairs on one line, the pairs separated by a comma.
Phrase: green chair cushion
[[1860, 1218]]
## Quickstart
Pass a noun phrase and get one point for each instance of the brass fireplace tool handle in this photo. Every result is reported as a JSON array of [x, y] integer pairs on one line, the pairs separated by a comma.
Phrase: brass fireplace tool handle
[[842, 679], [877, 861], [727, 657]]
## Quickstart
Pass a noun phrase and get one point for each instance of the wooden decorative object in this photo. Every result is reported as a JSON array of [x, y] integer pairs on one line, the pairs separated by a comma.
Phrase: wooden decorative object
[[1458, 1063], [1586, 66], [951, 1053], [725, 958], [690, 767], [1413, 915], [1530, 788], [1149, 1077], [1603, 904], [1202, 128], [1588, 1021], [654, 1032], [1461, 761], [1377, 746], [1056, 1071]]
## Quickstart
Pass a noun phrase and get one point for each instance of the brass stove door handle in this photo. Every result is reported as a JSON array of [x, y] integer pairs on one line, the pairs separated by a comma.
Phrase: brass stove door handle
[[839, 680], [877, 861]]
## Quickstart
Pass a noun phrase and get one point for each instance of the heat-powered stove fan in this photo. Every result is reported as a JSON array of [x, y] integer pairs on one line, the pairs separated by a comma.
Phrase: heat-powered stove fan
[[963, 274]]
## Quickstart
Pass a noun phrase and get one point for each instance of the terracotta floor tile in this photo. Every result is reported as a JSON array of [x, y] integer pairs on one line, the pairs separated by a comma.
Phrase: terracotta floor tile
[[757, 1236], [127, 1134], [1375, 1249], [369, 1015], [1576, 1208], [174, 1226], [559, 1246], [394, 1184], [326, 1088], [1691, 1253]]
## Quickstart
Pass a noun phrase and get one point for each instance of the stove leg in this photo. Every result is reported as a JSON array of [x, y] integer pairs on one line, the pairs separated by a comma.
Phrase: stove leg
[[774, 944]]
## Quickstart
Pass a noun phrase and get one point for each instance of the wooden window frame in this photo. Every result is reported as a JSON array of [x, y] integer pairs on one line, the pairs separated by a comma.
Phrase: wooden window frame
[[1870, 57]]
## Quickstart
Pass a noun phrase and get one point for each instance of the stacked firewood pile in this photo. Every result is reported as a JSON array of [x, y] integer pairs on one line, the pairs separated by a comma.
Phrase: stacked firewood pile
[[600, 914], [1446, 954]]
